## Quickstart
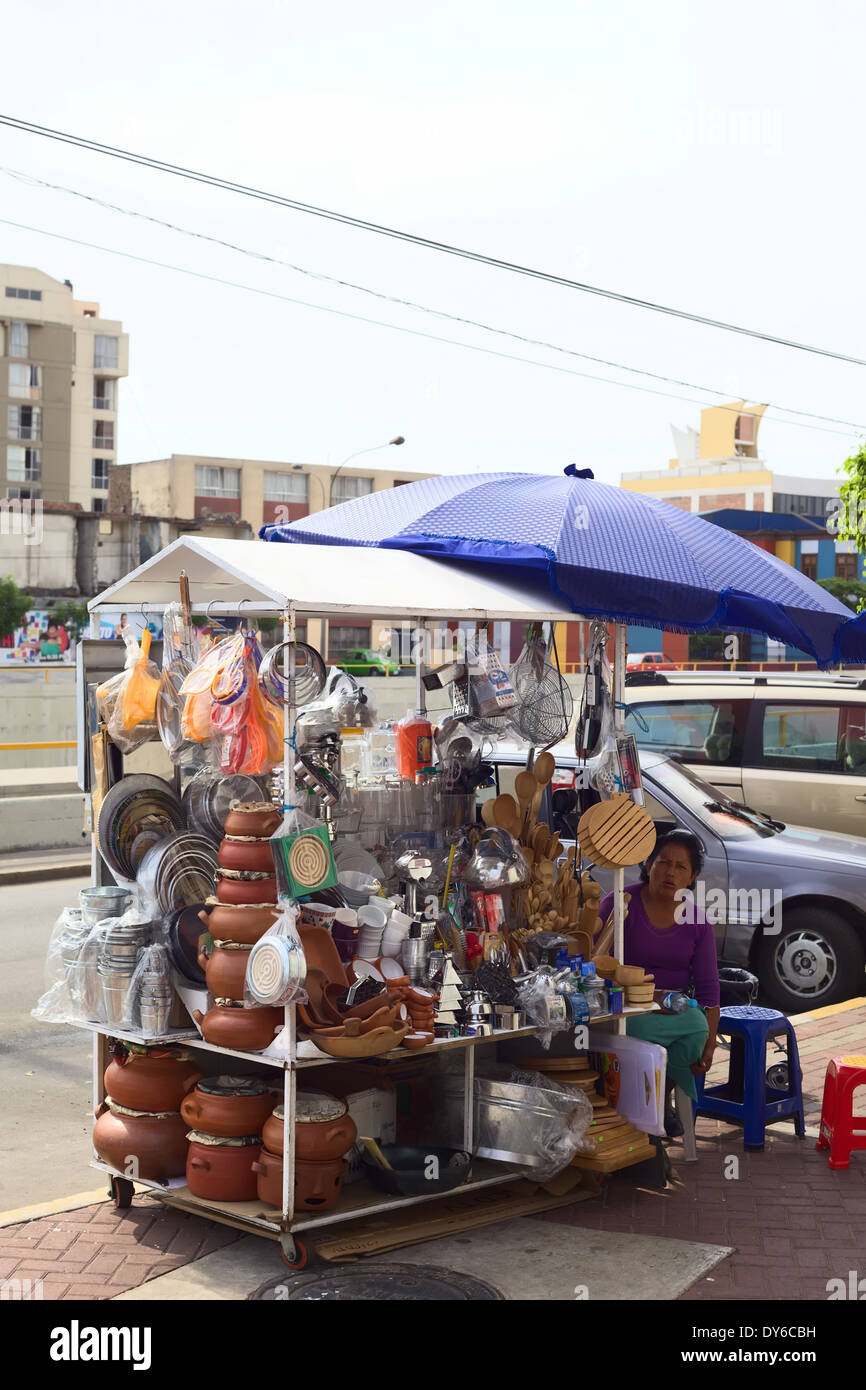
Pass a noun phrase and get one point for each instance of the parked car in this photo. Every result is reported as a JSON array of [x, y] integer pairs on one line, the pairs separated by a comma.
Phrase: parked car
[[655, 661], [777, 742], [812, 950], [365, 662]]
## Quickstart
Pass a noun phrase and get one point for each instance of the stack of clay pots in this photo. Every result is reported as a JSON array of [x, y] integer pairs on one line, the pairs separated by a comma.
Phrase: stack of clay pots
[[324, 1132], [139, 1129], [244, 908], [225, 1115]]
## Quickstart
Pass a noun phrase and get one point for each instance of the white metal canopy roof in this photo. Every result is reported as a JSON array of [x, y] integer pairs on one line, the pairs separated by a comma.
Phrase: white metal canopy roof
[[224, 574]]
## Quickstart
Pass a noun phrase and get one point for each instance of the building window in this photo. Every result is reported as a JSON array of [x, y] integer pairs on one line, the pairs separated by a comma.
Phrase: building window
[[19, 340], [13, 293], [344, 489], [23, 493], [809, 566], [103, 434], [99, 475], [99, 504], [286, 487], [217, 482], [346, 639], [103, 393], [25, 381], [25, 422], [104, 351], [23, 465], [846, 567]]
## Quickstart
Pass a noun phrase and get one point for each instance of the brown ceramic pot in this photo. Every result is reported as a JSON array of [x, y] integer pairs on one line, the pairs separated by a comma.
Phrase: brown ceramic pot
[[150, 1082], [244, 924], [256, 818], [145, 1146], [222, 1172], [254, 856], [315, 1140], [317, 1185], [247, 1030], [247, 890], [224, 972], [228, 1111]]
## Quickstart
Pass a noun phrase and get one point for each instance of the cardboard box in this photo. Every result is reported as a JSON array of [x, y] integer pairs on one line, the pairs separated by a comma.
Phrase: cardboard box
[[375, 1113]]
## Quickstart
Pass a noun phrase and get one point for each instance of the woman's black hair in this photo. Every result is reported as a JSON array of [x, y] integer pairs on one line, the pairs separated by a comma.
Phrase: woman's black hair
[[687, 840]]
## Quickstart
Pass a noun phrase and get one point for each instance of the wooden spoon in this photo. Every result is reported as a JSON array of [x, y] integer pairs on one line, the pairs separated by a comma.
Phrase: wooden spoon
[[487, 813], [506, 813], [525, 787]]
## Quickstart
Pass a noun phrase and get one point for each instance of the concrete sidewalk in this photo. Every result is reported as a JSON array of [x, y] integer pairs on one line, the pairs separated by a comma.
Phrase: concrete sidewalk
[[774, 1225]]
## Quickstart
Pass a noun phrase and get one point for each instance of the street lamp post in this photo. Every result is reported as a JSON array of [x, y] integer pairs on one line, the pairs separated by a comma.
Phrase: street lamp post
[[398, 439]]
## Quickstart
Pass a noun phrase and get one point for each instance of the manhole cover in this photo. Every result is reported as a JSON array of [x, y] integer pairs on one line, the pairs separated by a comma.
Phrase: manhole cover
[[379, 1283]]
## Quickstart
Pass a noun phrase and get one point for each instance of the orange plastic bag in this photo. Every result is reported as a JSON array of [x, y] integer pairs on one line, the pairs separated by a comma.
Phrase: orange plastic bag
[[138, 698]]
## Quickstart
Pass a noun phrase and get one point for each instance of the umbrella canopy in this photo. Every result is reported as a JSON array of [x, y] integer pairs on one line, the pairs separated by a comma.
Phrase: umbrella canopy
[[606, 552]]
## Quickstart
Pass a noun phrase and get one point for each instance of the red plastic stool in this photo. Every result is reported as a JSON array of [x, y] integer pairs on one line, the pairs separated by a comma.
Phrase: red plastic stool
[[841, 1130]]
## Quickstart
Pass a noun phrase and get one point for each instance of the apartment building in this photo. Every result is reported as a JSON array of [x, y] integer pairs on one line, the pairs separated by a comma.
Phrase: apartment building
[[719, 466], [60, 364], [257, 491]]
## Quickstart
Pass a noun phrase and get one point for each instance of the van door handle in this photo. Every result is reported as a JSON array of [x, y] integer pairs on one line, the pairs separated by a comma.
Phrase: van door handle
[[861, 797]]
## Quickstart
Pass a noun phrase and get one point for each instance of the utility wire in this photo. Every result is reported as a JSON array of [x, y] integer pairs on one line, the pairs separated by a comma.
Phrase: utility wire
[[399, 328], [280, 200], [409, 303]]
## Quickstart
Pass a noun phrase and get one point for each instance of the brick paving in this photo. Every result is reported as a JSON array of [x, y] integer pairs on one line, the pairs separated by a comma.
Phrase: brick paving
[[793, 1222]]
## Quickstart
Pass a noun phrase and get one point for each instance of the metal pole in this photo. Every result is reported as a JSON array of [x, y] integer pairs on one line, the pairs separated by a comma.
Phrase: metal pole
[[619, 659]]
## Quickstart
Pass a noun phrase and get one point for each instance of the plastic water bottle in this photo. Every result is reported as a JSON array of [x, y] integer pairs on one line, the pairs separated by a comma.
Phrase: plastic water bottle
[[677, 1002]]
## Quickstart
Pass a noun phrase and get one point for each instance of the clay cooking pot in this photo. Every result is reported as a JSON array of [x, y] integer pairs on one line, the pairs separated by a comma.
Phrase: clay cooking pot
[[225, 971], [317, 1185], [150, 1082], [252, 855], [247, 1030], [257, 818], [242, 890], [244, 924], [157, 1143], [228, 1107], [222, 1172], [324, 1129]]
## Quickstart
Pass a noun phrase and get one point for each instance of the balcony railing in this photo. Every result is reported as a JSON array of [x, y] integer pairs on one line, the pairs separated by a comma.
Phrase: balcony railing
[[26, 432], [107, 362], [103, 403], [218, 492], [98, 483], [103, 441]]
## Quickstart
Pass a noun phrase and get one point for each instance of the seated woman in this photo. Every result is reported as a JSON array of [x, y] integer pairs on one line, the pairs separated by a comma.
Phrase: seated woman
[[673, 941]]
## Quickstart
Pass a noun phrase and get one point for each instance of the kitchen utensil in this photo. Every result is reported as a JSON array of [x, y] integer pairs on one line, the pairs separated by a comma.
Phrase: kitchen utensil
[[525, 787], [310, 674], [410, 1173], [155, 1143], [255, 819], [324, 1129], [149, 1082], [99, 903], [506, 813], [225, 970], [228, 1106], [356, 1044], [248, 892], [220, 1169], [233, 1026], [139, 803], [244, 923], [276, 970], [372, 1148]]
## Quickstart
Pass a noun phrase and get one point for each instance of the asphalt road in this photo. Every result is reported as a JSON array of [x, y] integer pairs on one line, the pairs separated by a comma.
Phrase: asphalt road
[[45, 1068]]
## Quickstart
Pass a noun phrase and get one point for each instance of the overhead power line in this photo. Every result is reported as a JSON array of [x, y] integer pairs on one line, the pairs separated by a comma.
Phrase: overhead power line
[[412, 304], [281, 200], [399, 328]]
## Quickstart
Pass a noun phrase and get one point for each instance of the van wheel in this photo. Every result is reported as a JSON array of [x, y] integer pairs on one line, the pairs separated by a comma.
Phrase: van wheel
[[816, 959]]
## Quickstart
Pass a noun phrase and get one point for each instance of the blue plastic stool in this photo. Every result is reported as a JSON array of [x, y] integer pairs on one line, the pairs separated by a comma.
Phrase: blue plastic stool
[[746, 1098]]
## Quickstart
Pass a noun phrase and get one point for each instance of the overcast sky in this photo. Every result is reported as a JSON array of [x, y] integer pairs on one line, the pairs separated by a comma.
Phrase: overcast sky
[[702, 157]]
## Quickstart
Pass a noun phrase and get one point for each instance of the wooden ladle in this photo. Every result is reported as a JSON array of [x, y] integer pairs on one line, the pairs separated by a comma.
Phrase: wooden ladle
[[506, 813], [525, 787]]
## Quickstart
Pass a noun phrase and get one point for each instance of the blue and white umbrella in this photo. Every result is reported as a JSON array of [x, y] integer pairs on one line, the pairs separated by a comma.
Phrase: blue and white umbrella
[[610, 553]]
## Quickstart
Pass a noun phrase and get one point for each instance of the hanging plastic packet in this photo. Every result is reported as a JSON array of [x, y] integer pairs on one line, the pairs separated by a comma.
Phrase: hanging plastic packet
[[150, 992], [277, 967], [127, 702], [303, 858], [180, 653]]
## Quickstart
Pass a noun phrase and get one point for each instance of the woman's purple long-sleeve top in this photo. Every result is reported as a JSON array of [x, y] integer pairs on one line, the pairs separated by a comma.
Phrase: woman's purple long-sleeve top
[[677, 956]]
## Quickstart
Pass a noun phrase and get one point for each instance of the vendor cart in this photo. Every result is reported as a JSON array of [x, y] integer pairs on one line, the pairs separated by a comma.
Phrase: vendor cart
[[229, 578]]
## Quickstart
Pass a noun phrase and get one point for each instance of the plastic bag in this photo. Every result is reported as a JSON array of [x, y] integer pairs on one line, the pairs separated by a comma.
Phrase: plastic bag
[[180, 652], [223, 702], [546, 1009], [127, 702], [150, 992], [277, 967], [343, 704], [74, 987]]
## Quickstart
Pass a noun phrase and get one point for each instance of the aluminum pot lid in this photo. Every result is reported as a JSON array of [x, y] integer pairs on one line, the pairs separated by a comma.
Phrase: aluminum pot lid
[[213, 1141], [232, 1086], [315, 1107]]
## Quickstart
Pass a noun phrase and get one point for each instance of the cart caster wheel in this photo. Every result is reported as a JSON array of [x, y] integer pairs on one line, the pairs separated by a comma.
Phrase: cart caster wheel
[[121, 1191], [294, 1254]]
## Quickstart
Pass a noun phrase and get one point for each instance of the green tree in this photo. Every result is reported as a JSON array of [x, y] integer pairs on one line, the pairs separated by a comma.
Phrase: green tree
[[14, 605], [848, 521], [851, 592], [73, 615]]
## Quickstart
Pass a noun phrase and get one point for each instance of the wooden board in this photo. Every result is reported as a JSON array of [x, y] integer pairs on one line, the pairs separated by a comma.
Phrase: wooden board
[[611, 1163], [621, 832]]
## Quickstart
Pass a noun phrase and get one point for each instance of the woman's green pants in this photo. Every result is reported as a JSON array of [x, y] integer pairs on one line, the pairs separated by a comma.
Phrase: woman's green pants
[[684, 1035]]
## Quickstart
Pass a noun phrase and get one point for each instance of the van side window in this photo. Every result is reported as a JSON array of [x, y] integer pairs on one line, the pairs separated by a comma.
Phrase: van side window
[[697, 731], [815, 737]]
